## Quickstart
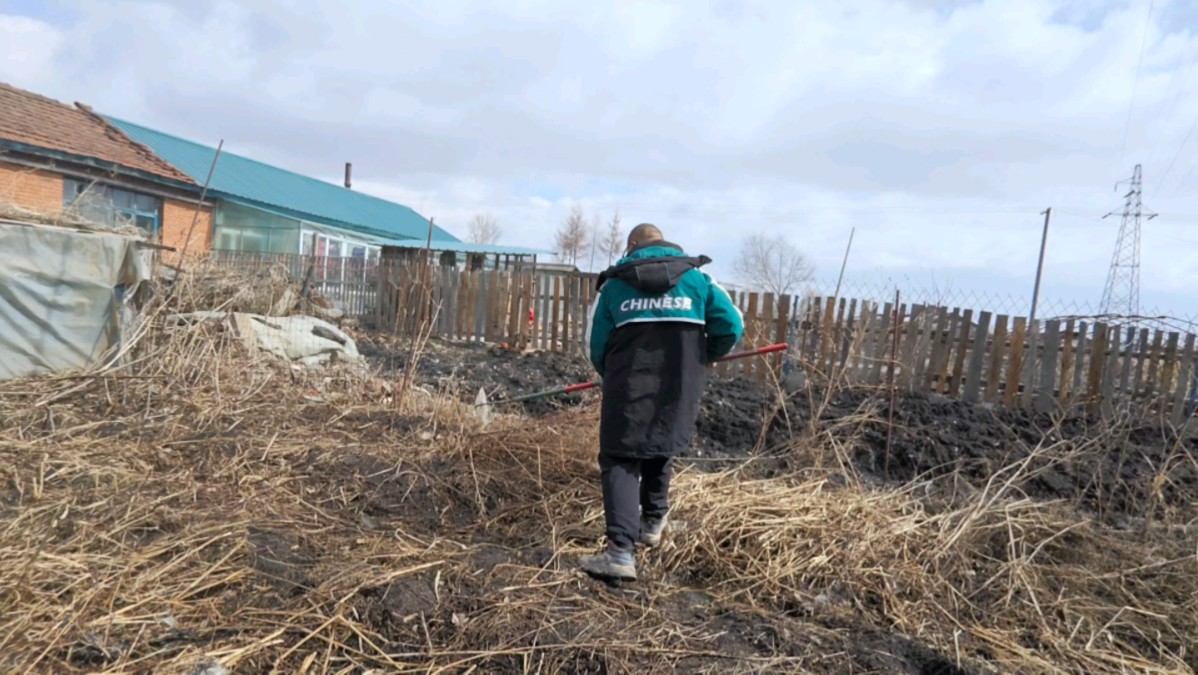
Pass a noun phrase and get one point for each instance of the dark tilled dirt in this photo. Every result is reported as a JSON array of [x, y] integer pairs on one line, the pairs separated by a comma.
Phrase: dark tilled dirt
[[422, 496], [281, 561], [729, 425], [1119, 472], [410, 610], [500, 373]]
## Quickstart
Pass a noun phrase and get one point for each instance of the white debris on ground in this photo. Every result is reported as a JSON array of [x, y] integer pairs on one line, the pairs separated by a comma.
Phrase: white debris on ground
[[210, 668], [305, 340]]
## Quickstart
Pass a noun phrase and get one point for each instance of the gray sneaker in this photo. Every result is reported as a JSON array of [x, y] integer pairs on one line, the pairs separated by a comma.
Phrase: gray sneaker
[[651, 531], [610, 564]]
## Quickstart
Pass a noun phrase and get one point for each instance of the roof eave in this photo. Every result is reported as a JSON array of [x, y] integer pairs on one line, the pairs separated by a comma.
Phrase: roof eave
[[483, 249], [97, 163], [313, 218]]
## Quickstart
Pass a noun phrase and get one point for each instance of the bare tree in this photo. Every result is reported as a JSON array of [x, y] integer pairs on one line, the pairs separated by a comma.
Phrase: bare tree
[[594, 235], [611, 243], [571, 237], [772, 264], [483, 229]]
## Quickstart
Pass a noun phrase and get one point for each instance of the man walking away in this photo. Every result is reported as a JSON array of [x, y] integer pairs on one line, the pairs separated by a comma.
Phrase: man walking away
[[656, 325]]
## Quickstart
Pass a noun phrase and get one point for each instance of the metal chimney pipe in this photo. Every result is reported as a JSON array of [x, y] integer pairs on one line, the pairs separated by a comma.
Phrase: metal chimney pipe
[[347, 170]]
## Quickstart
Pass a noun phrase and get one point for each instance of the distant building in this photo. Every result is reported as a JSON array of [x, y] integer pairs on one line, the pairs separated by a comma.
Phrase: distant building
[[557, 269], [56, 157], [265, 209]]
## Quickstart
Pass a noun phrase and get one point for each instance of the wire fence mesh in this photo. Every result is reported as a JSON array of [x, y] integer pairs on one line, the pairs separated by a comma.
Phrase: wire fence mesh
[[521, 310], [914, 293]]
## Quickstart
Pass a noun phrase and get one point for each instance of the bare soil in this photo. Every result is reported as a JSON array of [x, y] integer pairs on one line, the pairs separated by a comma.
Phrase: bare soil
[[1123, 473]]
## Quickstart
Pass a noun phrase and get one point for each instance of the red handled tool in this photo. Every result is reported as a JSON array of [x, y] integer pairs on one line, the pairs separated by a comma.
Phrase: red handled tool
[[481, 399]]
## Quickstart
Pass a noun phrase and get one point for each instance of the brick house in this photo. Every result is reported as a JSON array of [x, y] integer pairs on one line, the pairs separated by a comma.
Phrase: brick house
[[56, 157]]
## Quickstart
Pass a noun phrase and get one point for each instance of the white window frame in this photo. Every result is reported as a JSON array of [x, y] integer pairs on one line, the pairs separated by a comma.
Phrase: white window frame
[[345, 245]]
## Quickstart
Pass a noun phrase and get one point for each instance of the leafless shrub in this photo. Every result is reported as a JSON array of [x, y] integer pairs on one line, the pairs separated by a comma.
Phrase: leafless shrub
[[771, 263], [484, 229], [571, 237]]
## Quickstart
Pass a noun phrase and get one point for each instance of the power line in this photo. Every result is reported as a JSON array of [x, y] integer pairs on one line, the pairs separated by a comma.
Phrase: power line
[[1136, 83], [1177, 239], [1168, 118], [1178, 154], [1183, 180], [728, 207], [738, 209]]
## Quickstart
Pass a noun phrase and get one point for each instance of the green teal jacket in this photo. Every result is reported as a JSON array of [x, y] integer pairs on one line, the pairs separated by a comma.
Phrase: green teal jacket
[[685, 294]]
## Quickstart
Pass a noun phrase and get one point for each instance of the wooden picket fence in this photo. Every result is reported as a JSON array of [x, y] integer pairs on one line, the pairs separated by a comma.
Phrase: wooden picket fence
[[998, 359], [522, 310], [977, 356], [527, 310], [349, 283], [768, 320]]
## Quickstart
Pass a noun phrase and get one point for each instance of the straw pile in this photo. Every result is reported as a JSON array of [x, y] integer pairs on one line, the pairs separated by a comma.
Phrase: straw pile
[[207, 285], [194, 513], [69, 219]]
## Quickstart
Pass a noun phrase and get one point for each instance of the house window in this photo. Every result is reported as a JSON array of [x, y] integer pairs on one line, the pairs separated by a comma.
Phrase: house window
[[114, 207]]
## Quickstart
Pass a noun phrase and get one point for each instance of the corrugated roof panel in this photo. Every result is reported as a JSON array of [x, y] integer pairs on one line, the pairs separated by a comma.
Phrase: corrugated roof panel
[[467, 247], [242, 177]]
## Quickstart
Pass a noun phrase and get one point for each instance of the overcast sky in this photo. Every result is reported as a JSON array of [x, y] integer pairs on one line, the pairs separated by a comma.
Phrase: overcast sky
[[939, 129]]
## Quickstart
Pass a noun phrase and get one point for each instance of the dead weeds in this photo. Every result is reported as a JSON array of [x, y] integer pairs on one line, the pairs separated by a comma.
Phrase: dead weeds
[[195, 508]]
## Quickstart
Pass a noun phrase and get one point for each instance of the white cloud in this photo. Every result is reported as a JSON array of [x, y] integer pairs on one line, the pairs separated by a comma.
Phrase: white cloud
[[27, 50], [939, 130]]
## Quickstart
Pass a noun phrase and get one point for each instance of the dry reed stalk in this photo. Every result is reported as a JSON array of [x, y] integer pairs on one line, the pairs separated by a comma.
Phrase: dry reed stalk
[[194, 507], [68, 218]]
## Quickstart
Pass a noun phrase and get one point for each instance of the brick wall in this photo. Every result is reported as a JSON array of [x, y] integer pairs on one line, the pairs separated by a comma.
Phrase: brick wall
[[176, 222], [31, 189], [41, 191]]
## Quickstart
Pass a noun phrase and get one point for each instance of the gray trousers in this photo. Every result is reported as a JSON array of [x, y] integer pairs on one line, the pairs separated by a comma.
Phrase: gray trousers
[[633, 488]]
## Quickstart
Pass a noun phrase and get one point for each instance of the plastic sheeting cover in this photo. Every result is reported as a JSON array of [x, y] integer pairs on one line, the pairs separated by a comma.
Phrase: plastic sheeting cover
[[59, 297]]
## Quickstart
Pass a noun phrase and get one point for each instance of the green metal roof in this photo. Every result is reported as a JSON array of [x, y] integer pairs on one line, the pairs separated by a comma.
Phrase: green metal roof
[[467, 247], [248, 180]]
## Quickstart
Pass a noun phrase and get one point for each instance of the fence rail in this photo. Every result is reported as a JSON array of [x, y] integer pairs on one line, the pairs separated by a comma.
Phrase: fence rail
[[350, 284], [521, 309], [976, 355], [986, 358]]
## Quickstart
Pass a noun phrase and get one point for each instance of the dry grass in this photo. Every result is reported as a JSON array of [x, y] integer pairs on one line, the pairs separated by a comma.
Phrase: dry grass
[[206, 285], [194, 508], [68, 218]]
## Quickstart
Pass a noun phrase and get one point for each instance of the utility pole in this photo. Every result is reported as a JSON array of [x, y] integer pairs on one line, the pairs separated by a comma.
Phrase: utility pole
[[844, 263], [1040, 266], [1122, 293], [594, 242]]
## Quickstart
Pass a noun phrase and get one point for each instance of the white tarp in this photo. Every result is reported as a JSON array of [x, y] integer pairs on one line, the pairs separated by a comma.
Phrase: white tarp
[[302, 339], [61, 297], [305, 339]]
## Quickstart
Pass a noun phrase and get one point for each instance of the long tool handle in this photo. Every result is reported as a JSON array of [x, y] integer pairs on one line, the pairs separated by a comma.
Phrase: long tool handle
[[770, 349], [553, 392]]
